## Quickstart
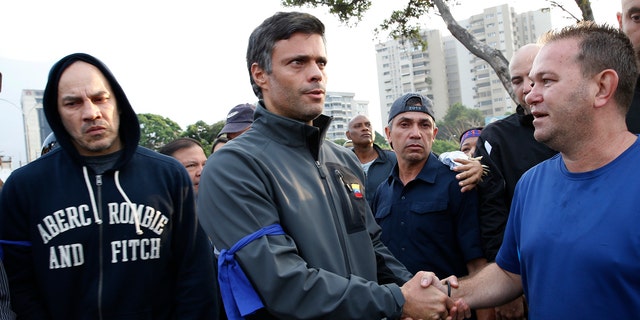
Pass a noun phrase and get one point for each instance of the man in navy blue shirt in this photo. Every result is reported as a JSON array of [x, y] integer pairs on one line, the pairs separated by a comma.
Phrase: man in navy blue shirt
[[427, 222], [376, 162]]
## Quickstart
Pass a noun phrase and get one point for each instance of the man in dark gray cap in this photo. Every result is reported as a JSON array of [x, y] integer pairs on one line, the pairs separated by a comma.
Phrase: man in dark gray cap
[[239, 120], [427, 222]]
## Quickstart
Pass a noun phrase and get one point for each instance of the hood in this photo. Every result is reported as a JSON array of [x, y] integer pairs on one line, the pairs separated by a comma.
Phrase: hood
[[129, 126]]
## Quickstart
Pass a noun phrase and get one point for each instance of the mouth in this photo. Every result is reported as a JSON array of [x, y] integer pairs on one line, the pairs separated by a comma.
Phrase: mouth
[[94, 130], [315, 93], [538, 118]]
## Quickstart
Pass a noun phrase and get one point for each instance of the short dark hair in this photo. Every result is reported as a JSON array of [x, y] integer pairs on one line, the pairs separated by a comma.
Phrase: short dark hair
[[179, 144], [280, 26], [603, 47], [217, 141]]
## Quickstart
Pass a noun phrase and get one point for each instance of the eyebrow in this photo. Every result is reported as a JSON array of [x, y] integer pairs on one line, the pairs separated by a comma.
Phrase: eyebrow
[[633, 9]]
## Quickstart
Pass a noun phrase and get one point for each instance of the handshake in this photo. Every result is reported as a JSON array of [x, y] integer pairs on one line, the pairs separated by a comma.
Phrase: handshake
[[426, 297]]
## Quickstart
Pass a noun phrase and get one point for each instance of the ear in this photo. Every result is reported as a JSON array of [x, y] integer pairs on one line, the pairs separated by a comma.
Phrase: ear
[[387, 133], [435, 133], [619, 16], [259, 75], [348, 134], [607, 82]]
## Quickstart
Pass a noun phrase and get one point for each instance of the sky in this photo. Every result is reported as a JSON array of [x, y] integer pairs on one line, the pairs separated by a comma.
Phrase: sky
[[185, 60]]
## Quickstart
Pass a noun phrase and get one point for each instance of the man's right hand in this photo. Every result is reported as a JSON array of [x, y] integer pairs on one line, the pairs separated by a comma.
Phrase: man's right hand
[[425, 300]]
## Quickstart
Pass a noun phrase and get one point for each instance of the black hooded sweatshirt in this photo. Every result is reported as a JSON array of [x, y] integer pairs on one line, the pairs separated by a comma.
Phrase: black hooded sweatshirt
[[86, 253]]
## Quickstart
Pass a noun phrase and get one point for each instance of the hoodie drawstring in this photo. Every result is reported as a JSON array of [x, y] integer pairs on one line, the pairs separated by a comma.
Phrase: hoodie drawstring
[[134, 211], [91, 195]]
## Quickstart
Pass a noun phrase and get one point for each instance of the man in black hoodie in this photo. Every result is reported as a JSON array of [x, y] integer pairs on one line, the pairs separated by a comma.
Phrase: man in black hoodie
[[111, 233]]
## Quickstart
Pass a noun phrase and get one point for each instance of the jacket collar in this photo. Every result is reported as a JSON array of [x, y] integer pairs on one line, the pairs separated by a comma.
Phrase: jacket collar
[[291, 132]]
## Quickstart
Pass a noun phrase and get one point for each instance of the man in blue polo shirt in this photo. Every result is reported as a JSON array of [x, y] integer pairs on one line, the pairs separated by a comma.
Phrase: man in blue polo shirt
[[427, 222]]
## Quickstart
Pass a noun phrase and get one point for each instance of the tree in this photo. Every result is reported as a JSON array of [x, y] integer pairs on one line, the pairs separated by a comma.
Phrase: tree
[[381, 141], [156, 130], [441, 146], [340, 141], [402, 24], [204, 133], [457, 120]]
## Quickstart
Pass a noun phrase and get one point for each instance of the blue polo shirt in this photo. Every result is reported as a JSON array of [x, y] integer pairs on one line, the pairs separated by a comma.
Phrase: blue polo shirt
[[429, 224]]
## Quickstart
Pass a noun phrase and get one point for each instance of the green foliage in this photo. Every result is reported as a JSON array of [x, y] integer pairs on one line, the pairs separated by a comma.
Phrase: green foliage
[[344, 9], [458, 119], [204, 133], [340, 141], [156, 130], [441, 146], [381, 141]]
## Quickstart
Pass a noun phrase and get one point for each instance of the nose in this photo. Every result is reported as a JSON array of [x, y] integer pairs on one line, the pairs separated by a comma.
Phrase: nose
[[90, 111], [199, 170], [533, 95], [414, 132], [316, 72]]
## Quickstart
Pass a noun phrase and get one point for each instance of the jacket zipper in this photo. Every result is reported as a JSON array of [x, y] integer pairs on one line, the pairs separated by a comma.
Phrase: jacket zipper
[[336, 218], [346, 202], [100, 275]]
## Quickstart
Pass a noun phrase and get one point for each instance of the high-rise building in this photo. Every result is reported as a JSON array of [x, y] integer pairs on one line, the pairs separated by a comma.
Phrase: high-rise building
[[404, 67], [457, 61], [342, 107], [36, 127], [448, 73]]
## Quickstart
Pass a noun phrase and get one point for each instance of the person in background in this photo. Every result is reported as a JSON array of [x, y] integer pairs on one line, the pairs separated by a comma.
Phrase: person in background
[[571, 242], [102, 228], [427, 222], [190, 153], [218, 143], [239, 120], [376, 162], [468, 140], [49, 144], [629, 21], [296, 235]]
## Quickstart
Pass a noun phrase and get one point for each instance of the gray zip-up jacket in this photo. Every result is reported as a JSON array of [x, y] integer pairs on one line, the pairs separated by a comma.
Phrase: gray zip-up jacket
[[330, 263]]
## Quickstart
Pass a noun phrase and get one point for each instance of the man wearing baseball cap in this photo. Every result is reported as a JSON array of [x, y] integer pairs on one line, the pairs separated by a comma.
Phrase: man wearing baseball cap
[[427, 222], [239, 120]]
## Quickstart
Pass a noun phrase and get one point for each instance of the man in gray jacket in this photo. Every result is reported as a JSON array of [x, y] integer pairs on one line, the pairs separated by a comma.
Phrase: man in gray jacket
[[286, 207]]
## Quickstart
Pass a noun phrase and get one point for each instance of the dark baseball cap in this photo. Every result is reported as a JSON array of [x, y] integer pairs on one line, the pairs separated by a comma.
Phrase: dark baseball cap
[[400, 105], [239, 118]]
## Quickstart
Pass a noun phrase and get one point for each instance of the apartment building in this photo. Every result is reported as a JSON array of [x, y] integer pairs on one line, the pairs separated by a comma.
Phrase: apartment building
[[448, 73], [342, 107]]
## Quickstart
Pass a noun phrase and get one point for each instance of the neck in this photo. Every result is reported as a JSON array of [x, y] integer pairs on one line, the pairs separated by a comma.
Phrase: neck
[[594, 154], [365, 153], [408, 171]]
